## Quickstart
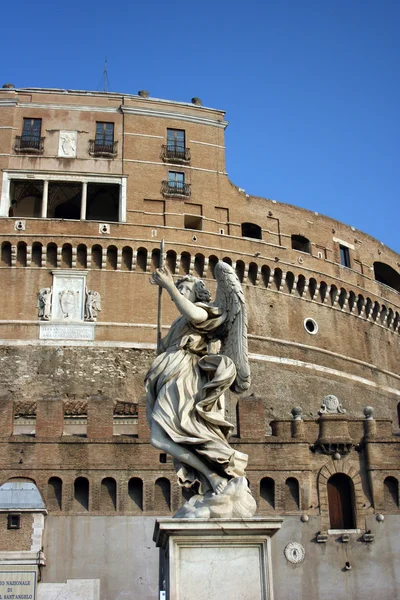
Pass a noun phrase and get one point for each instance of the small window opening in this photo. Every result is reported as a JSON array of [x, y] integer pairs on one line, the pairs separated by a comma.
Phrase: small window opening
[[135, 492], [301, 243], [193, 222], [81, 494], [345, 256], [251, 230], [311, 326], [163, 458], [14, 521], [386, 274], [391, 494], [267, 494]]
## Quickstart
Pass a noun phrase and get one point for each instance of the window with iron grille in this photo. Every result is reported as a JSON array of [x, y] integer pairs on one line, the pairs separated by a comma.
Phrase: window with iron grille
[[30, 137], [104, 141], [176, 182]]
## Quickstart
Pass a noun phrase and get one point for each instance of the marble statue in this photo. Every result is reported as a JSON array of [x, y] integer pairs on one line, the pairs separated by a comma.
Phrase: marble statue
[[92, 305], [185, 392], [44, 303]]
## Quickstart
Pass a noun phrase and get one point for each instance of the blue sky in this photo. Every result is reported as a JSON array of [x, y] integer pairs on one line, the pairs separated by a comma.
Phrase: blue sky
[[311, 87]]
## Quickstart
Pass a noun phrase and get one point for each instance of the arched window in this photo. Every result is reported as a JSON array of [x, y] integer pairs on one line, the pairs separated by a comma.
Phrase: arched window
[[108, 495], [398, 414], [141, 260], [171, 261], [301, 243], [212, 262], [6, 254], [227, 260], [54, 493], [81, 494], [265, 273], [111, 258], [253, 272], [126, 263], [162, 495], [292, 496], [251, 230], [97, 256], [36, 254], [340, 500], [135, 492], [21, 254], [386, 274], [289, 281], [240, 270], [81, 256], [51, 255], [267, 494], [391, 494], [185, 263], [155, 258], [199, 264], [66, 256]]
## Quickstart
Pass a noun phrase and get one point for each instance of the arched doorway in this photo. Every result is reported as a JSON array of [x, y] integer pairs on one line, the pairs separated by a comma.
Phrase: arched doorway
[[340, 501]]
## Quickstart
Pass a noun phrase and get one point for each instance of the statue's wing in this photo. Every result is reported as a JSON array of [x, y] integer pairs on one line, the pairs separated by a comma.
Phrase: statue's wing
[[230, 297]]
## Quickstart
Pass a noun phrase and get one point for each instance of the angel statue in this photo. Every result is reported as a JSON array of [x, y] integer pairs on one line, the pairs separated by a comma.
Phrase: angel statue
[[185, 392]]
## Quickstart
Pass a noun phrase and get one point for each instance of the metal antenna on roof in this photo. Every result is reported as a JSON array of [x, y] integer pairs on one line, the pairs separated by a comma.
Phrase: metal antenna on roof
[[105, 75]]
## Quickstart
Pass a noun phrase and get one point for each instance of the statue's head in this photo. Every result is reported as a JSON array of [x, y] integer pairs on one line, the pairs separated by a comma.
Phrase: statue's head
[[193, 289]]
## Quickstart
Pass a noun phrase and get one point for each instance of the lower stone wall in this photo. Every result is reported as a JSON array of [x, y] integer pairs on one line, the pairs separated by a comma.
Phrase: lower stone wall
[[120, 552]]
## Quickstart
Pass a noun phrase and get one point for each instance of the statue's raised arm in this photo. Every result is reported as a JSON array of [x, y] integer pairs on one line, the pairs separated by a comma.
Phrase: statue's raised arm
[[185, 392]]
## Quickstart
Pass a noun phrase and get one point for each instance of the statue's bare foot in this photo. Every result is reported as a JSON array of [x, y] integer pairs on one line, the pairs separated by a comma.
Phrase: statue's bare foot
[[218, 483]]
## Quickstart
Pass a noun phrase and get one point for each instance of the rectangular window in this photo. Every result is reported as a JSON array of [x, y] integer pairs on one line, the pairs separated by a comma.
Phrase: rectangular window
[[345, 256], [30, 137], [14, 521], [104, 137], [176, 140], [176, 182]]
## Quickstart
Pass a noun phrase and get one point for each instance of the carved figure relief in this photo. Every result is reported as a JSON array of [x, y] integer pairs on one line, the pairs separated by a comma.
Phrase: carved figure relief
[[67, 301], [92, 305], [185, 393], [67, 144], [44, 298]]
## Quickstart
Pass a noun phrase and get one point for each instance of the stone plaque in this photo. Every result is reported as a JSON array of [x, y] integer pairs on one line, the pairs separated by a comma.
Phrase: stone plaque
[[67, 144], [17, 585], [54, 331], [68, 296]]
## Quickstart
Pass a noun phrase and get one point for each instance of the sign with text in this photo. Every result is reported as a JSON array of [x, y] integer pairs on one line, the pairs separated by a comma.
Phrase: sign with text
[[17, 585]]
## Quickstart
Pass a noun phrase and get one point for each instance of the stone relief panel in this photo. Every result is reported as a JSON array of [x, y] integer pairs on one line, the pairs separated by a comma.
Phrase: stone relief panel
[[67, 144], [67, 310]]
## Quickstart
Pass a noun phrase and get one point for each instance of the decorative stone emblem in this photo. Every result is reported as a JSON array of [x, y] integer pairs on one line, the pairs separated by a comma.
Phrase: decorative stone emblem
[[67, 144], [294, 553], [330, 404]]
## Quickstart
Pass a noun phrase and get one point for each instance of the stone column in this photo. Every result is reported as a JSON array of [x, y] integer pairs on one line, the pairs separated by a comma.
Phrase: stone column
[[84, 201], [45, 198]]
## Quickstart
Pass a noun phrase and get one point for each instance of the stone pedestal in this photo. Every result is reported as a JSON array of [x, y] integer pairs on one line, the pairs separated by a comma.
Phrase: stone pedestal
[[210, 559]]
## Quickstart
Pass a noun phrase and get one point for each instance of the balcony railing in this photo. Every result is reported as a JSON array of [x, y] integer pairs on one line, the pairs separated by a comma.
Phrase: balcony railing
[[175, 153], [100, 148], [175, 188], [29, 144]]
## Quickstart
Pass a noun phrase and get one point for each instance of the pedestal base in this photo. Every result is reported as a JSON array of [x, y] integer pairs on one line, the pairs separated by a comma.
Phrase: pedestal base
[[210, 559]]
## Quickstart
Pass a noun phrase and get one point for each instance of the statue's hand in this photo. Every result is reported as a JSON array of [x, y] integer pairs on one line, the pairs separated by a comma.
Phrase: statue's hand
[[163, 278]]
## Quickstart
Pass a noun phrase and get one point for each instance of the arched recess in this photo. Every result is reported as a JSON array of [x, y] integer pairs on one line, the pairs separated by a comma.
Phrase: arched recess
[[289, 282], [391, 494], [81, 494], [21, 254], [199, 264], [251, 230], [292, 495], [185, 263], [239, 268], [141, 260], [112, 254], [162, 495], [54, 494], [66, 256], [358, 500], [386, 274], [51, 255], [171, 261], [227, 260], [265, 274], [212, 261], [108, 494], [81, 256], [135, 493], [6, 254], [97, 256], [126, 262], [253, 272], [155, 258], [267, 494], [36, 254]]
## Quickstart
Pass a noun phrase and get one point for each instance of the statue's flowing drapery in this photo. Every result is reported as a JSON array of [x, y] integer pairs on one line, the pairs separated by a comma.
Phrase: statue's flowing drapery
[[184, 390]]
